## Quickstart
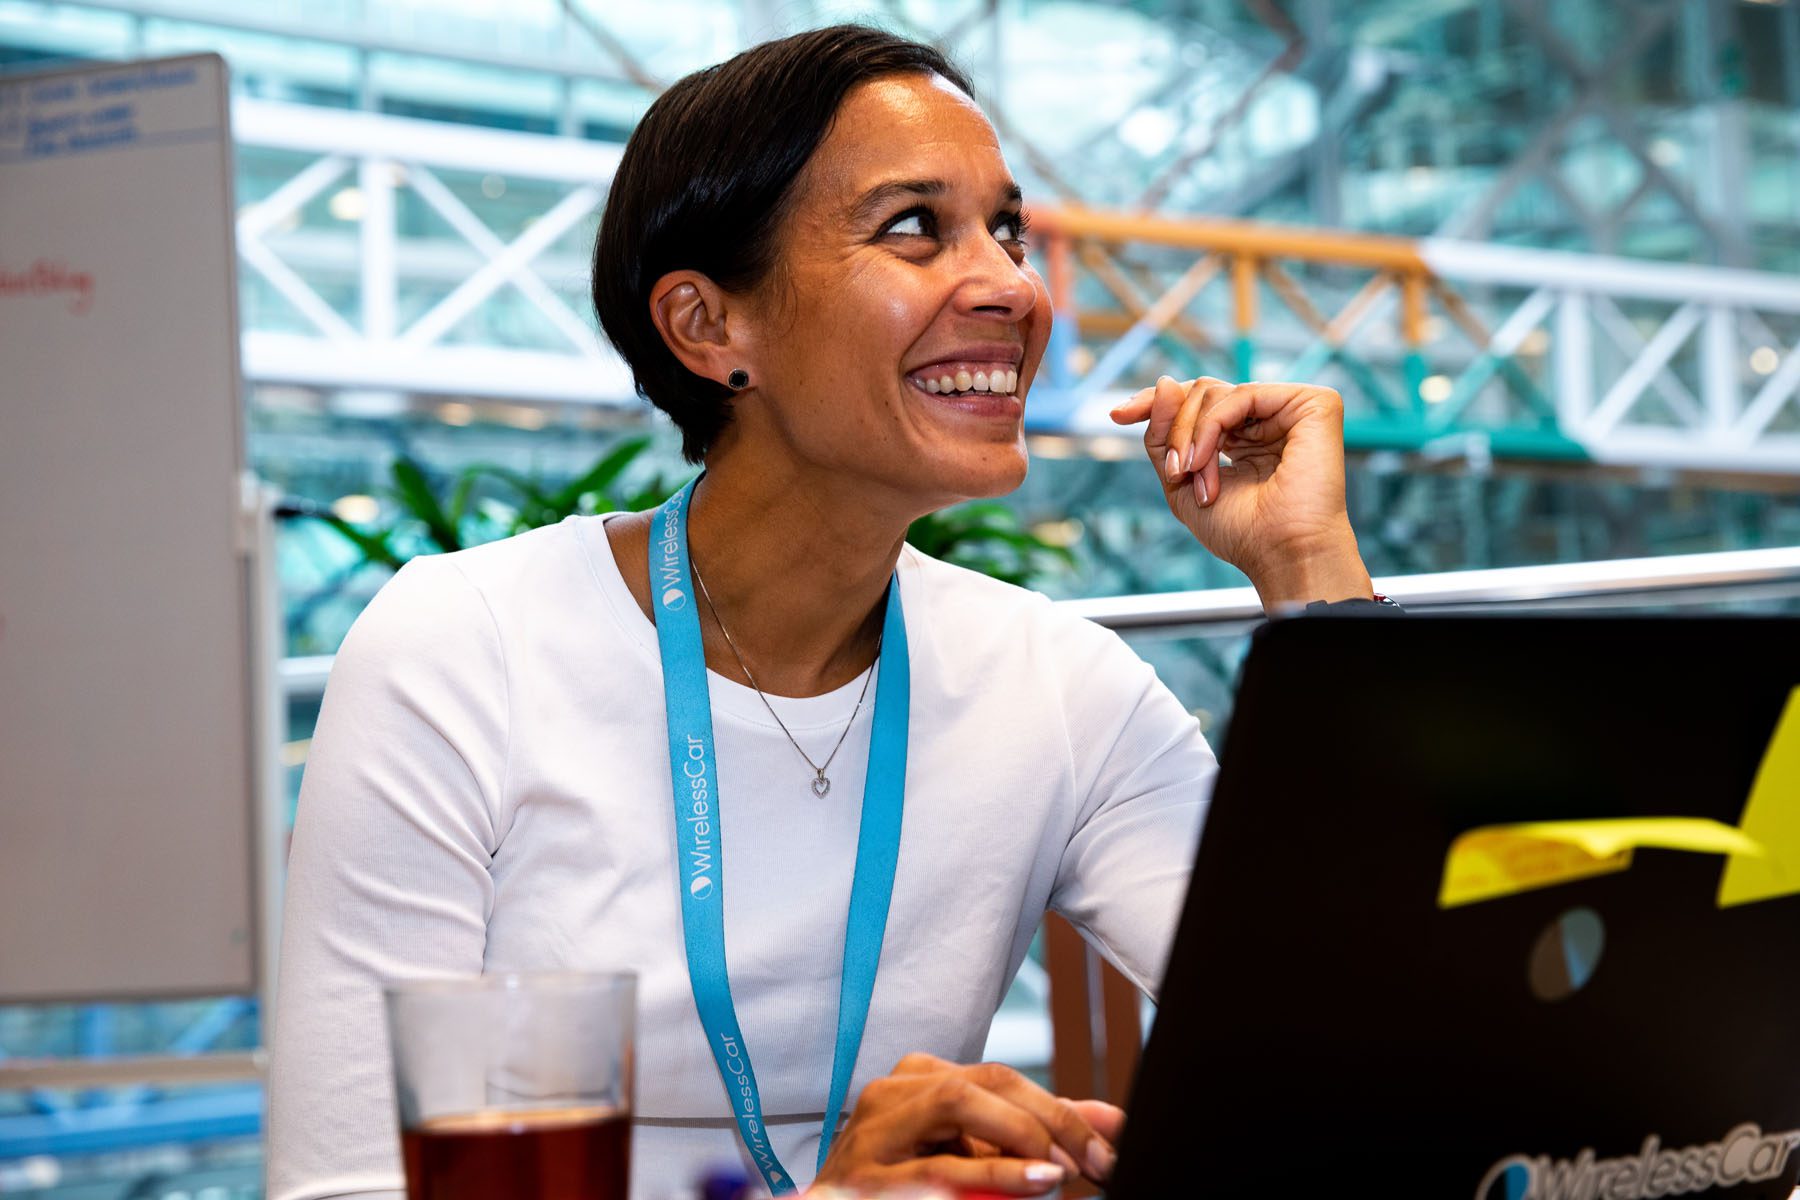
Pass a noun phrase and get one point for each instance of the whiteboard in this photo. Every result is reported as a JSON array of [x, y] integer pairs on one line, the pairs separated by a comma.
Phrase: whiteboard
[[127, 774]]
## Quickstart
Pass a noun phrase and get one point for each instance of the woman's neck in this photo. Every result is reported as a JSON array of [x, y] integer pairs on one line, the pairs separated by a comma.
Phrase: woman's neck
[[797, 565]]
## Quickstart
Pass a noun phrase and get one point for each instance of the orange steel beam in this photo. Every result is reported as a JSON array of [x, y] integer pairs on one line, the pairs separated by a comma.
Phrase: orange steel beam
[[1113, 322], [1181, 293], [1235, 238], [1115, 280], [1243, 292], [1110, 322], [1462, 315], [1252, 253], [1345, 323], [1413, 306], [1185, 326], [1061, 273], [1284, 286], [1146, 279]]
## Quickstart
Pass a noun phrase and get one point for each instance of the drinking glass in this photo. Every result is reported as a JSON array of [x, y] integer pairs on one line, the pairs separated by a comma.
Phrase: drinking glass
[[515, 1086]]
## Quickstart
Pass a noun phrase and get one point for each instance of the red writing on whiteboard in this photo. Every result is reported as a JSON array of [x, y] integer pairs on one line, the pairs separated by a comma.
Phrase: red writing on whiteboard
[[48, 278]]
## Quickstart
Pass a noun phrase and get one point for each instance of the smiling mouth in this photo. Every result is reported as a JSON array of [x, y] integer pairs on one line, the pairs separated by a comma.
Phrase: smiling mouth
[[966, 379]]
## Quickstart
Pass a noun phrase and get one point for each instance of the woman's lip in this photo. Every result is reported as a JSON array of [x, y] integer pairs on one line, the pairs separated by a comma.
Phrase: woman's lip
[[986, 355]]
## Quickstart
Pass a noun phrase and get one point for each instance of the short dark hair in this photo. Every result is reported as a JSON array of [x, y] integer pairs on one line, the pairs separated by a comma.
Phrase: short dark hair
[[703, 183]]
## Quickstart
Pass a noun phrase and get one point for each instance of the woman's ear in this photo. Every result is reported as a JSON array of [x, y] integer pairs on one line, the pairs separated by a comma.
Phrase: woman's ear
[[695, 317]]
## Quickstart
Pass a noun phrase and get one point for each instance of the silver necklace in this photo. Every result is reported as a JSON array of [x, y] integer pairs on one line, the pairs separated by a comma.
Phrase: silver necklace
[[821, 784]]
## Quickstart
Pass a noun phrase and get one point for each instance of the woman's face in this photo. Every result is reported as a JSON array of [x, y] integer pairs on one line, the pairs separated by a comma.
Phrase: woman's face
[[899, 332]]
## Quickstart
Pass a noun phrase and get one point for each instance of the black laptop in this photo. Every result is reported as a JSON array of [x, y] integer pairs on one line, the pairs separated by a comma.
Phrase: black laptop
[[1329, 1027]]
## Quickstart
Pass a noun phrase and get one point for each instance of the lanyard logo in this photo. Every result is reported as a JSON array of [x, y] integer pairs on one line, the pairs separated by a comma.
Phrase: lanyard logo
[[699, 818], [669, 571]]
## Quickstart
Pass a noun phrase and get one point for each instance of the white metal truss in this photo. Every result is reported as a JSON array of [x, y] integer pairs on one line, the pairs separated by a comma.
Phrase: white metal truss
[[1717, 319], [373, 351]]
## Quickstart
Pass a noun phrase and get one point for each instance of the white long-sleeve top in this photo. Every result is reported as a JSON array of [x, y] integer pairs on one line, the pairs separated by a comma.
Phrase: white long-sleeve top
[[488, 790]]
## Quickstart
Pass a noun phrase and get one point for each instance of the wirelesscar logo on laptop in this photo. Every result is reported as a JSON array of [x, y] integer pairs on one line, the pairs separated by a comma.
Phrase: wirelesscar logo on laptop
[[1745, 1155]]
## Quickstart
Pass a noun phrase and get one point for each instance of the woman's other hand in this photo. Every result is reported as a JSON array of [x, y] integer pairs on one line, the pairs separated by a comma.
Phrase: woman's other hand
[[970, 1128], [1277, 512]]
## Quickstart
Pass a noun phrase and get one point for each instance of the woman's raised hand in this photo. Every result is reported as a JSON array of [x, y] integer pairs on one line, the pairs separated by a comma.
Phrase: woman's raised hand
[[970, 1128], [1277, 512]]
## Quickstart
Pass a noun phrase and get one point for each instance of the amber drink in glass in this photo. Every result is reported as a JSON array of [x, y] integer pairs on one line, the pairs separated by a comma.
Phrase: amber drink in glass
[[514, 1086]]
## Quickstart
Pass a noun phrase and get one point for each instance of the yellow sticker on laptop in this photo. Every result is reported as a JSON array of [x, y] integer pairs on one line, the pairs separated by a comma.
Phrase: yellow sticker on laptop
[[1772, 817], [1485, 864], [1502, 860], [1762, 852]]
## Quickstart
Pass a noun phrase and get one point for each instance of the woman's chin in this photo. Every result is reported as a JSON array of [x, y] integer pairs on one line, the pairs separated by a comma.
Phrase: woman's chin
[[983, 471]]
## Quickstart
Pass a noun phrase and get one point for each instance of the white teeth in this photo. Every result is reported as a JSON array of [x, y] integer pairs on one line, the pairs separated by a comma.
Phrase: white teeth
[[999, 382]]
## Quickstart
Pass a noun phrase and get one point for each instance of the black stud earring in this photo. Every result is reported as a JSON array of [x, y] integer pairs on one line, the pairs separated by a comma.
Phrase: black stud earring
[[738, 380]]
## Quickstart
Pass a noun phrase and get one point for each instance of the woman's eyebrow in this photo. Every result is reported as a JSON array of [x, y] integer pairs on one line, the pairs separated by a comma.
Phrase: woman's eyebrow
[[882, 195]]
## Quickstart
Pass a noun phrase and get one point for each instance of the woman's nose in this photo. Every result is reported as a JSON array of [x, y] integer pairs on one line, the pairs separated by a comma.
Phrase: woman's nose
[[995, 285]]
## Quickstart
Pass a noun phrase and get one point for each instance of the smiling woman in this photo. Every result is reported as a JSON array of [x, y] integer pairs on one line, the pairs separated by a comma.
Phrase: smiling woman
[[814, 259], [857, 235]]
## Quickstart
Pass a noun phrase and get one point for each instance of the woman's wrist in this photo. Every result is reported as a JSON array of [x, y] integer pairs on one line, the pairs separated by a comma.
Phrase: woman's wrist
[[1329, 569]]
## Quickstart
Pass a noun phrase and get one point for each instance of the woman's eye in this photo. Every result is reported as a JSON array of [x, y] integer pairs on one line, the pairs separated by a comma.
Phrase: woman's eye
[[1008, 230], [910, 225]]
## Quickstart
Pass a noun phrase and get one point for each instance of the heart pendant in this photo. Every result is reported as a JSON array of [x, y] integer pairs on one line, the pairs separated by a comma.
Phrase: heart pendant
[[821, 785]]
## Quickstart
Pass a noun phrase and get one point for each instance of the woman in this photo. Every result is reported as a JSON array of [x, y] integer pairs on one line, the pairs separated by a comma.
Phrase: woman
[[814, 259]]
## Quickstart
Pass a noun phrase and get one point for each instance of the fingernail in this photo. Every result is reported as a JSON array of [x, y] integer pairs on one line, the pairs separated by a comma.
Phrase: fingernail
[[1100, 1159], [1193, 453], [1200, 488], [1172, 463], [1065, 1160], [1044, 1172]]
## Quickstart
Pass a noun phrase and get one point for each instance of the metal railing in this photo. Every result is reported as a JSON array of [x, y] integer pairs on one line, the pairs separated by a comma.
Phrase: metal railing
[[1632, 582], [1628, 582]]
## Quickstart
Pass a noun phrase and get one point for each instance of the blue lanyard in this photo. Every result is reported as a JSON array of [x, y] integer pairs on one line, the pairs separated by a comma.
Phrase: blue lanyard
[[693, 770]]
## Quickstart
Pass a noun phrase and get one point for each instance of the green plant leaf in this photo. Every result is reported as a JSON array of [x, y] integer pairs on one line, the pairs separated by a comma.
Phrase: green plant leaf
[[523, 484], [652, 494], [414, 492], [600, 476], [986, 536], [537, 507], [374, 545], [459, 498]]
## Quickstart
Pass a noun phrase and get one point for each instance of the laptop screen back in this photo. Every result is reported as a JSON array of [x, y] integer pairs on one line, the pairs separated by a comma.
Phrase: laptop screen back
[[1326, 1025]]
